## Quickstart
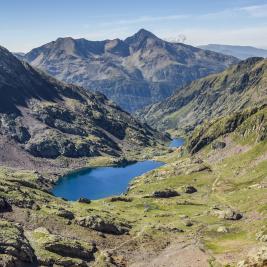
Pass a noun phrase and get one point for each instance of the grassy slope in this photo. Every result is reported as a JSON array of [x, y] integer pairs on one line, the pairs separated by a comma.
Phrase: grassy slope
[[234, 176]]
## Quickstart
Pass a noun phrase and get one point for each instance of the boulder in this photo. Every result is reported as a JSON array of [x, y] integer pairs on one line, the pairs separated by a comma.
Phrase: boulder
[[103, 225], [14, 243], [188, 223], [65, 214], [4, 205], [84, 200], [167, 193], [218, 145], [189, 189], [227, 214], [222, 229], [57, 250]]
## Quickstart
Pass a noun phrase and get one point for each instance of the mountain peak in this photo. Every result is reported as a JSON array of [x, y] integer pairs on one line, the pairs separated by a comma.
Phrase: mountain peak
[[140, 36], [145, 33]]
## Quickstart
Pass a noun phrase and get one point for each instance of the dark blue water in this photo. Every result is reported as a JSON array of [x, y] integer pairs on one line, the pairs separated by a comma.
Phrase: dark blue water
[[176, 142], [100, 182]]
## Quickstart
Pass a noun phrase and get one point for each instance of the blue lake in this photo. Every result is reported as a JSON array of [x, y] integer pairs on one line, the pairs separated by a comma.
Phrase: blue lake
[[100, 182], [176, 142]]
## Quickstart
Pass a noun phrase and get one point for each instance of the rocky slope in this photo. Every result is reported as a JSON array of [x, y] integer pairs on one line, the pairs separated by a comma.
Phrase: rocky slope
[[242, 52], [42, 118], [135, 72], [239, 87]]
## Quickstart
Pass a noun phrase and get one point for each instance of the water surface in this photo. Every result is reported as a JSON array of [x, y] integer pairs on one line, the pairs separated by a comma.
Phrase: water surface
[[177, 142], [100, 182]]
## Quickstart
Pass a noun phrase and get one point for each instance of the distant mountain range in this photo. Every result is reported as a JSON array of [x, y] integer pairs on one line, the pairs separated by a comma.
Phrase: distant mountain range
[[41, 117], [242, 52], [239, 87], [134, 72]]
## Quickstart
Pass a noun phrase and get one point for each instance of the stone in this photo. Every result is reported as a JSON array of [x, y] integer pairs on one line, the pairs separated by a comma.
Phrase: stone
[[4, 205], [218, 145], [167, 193], [84, 200], [14, 243], [188, 223], [65, 214], [222, 229], [189, 189], [104, 225], [57, 250], [227, 214]]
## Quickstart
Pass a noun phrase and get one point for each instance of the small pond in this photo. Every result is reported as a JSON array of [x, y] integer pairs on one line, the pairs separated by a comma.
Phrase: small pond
[[100, 182], [176, 142]]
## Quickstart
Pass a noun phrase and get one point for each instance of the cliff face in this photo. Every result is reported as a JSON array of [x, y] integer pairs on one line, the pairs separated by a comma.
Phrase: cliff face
[[135, 72]]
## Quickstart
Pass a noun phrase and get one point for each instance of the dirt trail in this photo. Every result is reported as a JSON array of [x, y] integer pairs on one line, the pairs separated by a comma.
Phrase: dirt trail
[[181, 254]]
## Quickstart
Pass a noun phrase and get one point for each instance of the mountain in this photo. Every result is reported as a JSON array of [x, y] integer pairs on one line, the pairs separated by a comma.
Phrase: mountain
[[242, 52], [43, 118], [134, 72], [19, 55], [241, 86]]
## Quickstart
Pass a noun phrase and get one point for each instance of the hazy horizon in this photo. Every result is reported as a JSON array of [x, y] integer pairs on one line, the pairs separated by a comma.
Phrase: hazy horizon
[[29, 24]]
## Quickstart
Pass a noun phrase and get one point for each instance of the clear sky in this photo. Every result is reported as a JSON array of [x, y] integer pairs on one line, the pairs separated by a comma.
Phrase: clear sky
[[25, 24]]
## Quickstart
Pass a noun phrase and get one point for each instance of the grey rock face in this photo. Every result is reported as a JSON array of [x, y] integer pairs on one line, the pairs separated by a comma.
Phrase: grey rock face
[[138, 71], [103, 225]]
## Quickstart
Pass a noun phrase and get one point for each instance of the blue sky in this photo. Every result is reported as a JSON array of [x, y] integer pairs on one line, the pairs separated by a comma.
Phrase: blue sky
[[25, 24]]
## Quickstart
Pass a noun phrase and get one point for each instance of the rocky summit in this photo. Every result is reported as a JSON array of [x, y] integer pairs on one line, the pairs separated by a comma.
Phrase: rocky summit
[[135, 72], [42, 118]]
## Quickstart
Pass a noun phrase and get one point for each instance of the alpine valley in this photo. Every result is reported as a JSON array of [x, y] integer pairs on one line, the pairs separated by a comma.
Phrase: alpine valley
[[205, 205]]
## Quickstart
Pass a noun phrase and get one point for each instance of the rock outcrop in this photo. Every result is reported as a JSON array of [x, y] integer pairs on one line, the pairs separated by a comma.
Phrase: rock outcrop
[[14, 244], [104, 225], [167, 193]]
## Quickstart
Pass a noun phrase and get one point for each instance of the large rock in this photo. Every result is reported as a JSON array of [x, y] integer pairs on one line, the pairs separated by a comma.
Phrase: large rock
[[226, 213], [54, 250], [103, 225], [65, 214], [4, 205], [14, 244], [167, 193], [84, 200], [189, 189], [218, 145]]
